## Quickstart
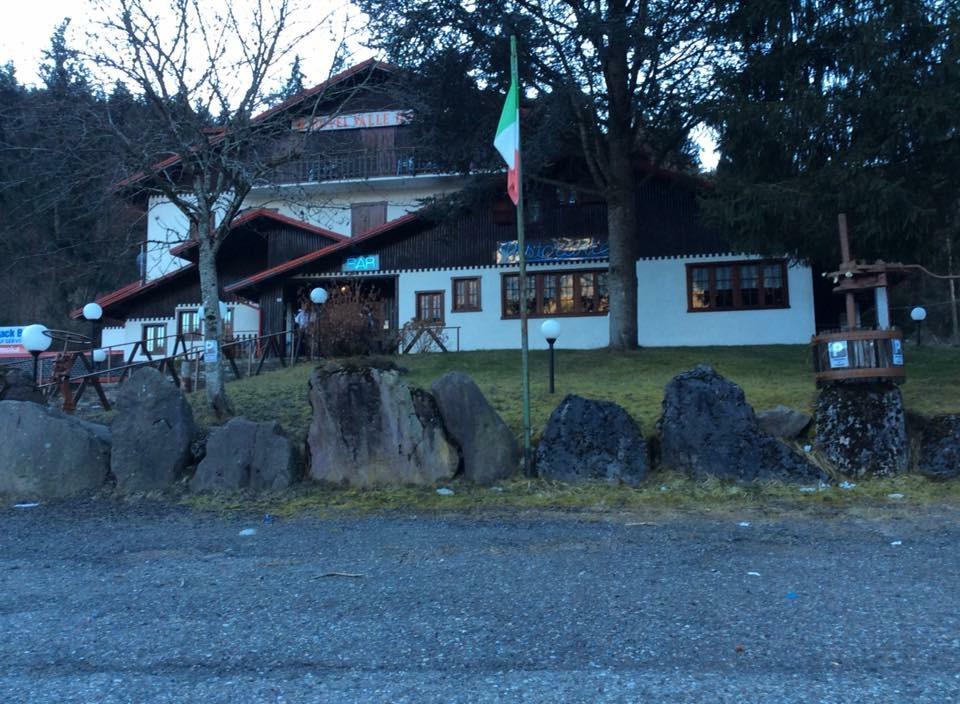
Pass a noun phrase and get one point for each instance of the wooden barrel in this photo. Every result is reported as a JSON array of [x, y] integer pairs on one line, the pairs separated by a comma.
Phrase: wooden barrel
[[858, 355]]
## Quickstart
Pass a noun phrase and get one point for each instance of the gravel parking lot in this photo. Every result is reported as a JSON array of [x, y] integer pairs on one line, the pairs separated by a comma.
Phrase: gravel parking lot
[[103, 602]]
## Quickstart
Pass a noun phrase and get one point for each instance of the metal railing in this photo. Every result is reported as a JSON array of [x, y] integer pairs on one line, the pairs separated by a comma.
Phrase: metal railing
[[242, 351], [357, 164]]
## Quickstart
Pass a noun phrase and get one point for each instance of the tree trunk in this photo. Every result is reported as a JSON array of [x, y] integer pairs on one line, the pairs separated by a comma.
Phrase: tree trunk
[[954, 313], [622, 279], [214, 376]]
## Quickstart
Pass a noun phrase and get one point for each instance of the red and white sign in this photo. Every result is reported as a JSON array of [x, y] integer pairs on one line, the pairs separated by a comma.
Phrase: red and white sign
[[352, 121]]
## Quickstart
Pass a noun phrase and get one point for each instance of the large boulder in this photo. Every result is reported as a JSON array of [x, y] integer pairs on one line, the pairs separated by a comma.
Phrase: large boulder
[[940, 448], [245, 455], [152, 430], [861, 429], [369, 429], [488, 447], [708, 429], [18, 385], [591, 440], [783, 422], [46, 454]]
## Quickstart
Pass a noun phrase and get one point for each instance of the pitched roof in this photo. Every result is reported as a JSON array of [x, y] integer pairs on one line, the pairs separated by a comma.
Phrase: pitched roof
[[274, 271], [266, 213], [134, 289], [218, 133]]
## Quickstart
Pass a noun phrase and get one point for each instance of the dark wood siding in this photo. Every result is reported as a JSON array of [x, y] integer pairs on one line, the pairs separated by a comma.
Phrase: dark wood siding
[[286, 243], [667, 226]]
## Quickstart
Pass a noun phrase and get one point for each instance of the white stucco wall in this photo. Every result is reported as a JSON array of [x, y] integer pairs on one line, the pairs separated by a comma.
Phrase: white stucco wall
[[246, 321], [486, 329], [664, 321], [167, 227], [329, 206], [662, 311]]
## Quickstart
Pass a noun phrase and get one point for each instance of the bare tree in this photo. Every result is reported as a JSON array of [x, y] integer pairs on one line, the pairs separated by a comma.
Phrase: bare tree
[[205, 74]]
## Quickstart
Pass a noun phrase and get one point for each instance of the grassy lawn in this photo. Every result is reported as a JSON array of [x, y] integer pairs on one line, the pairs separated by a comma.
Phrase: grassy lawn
[[769, 375]]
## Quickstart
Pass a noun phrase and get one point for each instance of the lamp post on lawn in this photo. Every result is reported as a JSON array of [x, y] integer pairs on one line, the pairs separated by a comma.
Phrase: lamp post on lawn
[[35, 340], [918, 315], [551, 330], [318, 296], [93, 312]]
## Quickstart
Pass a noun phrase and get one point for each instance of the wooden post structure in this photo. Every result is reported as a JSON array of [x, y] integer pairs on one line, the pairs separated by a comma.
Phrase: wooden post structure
[[847, 265]]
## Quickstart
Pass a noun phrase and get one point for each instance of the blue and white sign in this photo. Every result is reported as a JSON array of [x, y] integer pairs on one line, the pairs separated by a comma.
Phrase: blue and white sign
[[370, 262], [897, 352], [11, 335], [839, 355], [559, 249]]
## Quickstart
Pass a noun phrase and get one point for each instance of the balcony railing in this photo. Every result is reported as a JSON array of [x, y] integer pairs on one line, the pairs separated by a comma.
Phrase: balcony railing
[[394, 161]]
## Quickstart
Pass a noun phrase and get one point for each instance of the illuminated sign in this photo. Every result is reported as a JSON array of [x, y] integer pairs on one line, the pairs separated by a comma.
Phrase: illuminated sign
[[352, 121], [559, 249], [370, 262], [11, 335]]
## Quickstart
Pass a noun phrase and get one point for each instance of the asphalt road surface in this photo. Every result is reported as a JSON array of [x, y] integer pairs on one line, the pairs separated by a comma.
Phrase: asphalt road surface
[[101, 602]]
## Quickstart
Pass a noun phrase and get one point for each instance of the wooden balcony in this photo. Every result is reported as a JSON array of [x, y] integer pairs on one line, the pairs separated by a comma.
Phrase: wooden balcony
[[364, 164]]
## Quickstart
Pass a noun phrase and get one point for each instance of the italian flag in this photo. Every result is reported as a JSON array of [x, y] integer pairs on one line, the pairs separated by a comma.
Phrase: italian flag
[[507, 141]]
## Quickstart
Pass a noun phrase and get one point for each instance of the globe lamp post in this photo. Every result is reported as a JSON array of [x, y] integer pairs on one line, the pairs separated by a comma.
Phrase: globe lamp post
[[93, 312], [35, 340], [918, 315], [319, 296], [551, 331]]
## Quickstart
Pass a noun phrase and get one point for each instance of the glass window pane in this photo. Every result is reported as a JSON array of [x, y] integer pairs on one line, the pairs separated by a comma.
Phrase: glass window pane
[[774, 289], [531, 295], [549, 306], [566, 293], [723, 278], [587, 292], [511, 295], [603, 295], [749, 285], [700, 283]]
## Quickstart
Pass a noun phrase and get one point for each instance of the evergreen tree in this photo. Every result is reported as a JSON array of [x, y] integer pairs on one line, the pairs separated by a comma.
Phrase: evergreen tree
[[840, 106]]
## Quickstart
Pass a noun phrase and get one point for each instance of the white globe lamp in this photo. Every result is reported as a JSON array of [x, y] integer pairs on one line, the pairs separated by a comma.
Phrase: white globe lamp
[[551, 331], [99, 355], [92, 311], [35, 340], [319, 296]]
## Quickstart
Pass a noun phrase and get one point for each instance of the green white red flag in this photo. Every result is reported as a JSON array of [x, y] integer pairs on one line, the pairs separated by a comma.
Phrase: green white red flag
[[507, 141]]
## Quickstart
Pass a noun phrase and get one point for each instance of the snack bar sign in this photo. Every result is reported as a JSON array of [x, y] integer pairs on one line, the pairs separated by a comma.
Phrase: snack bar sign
[[11, 335], [559, 249], [352, 121]]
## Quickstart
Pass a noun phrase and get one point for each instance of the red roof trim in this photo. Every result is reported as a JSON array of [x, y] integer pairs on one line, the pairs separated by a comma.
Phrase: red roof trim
[[256, 213], [134, 289], [321, 253]]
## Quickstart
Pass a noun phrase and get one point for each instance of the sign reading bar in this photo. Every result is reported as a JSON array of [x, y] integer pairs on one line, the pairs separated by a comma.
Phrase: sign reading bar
[[11, 335], [559, 249], [352, 121], [370, 262]]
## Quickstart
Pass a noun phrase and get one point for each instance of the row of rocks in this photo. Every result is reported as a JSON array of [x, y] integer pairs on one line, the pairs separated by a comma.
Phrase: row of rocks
[[150, 446], [370, 428]]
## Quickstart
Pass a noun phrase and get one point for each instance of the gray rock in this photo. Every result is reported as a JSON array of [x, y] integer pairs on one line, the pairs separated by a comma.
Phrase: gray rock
[[369, 428], [861, 429], [245, 455], [940, 448], [17, 385], [708, 429], [46, 454], [784, 423], [487, 446], [591, 440], [101, 431], [151, 430]]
